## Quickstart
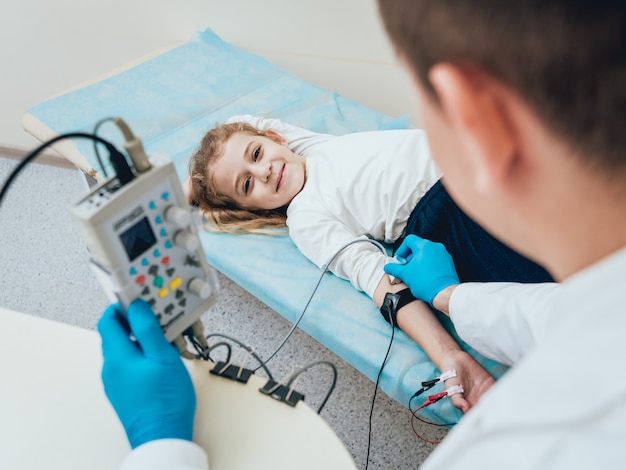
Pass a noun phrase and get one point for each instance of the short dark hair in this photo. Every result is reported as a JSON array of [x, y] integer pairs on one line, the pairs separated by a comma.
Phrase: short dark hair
[[565, 58]]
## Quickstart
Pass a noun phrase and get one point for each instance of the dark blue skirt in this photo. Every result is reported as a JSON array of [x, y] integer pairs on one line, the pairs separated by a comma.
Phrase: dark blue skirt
[[477, 255]]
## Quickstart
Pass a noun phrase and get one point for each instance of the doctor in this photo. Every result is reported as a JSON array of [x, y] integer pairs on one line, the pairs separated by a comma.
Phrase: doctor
[[524, 105]]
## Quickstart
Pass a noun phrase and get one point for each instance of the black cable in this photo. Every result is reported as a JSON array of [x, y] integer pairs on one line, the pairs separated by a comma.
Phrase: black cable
[[427, 385], [332, 385], [295, 325], [419, 418], [202, 352], [380, 372], [95, 144], [220, 344], [31, 156], [247, 348]]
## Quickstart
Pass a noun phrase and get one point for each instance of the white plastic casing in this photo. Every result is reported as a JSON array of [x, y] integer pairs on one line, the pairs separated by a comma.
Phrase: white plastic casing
[[144, 245]]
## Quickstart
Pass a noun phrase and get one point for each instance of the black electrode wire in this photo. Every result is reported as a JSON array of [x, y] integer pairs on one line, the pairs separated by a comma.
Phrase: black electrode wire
[[419, 418], [31, 156], [380, 372], [295, 325], [332, 385], [247, 348], [220, 344], [203, 353], [96, 128]]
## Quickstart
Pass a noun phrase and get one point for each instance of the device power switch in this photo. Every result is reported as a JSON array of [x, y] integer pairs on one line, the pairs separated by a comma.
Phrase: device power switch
[[200, 288], [178, 216], [187, 240]]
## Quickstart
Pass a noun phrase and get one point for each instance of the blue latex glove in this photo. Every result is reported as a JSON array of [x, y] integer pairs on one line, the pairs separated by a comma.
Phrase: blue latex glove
[[428, 270], [145, 380]]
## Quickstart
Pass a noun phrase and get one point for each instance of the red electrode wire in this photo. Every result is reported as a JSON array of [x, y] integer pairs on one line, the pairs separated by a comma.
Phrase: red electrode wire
[[433, 399]]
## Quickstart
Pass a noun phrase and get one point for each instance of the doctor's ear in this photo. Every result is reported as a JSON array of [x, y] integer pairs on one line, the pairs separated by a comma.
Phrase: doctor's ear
[[276, 137], [471, 102]]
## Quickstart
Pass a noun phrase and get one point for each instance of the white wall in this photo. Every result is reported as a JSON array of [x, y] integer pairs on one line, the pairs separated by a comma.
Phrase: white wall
[[49, 46]]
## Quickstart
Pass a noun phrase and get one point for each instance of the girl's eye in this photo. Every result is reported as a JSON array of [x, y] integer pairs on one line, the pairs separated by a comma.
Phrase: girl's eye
[[246, 185], [256, 153]]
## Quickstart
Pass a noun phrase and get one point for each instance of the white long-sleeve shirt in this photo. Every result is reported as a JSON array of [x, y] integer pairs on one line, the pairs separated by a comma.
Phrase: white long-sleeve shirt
[[360, 185]]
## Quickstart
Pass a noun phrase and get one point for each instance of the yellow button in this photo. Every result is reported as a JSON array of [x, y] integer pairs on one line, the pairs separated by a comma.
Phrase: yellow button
[[175, 283], [163, 293]]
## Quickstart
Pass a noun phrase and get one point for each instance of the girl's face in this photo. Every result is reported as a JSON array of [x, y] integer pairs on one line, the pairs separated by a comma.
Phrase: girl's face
[[258, 172]]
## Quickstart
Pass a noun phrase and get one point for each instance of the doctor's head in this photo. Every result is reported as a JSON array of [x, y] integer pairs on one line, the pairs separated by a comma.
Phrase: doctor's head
[[243, 178], [513, 92]]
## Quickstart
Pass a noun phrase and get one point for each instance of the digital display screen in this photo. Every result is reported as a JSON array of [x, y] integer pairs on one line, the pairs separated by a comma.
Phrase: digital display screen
[[138, 239]]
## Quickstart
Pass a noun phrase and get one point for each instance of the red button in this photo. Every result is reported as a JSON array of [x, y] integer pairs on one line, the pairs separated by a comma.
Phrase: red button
[[141, 279], [165, 260]]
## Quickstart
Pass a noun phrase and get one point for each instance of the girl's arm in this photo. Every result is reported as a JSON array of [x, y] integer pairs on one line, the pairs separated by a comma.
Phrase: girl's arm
[[318, 236], [418, 321]]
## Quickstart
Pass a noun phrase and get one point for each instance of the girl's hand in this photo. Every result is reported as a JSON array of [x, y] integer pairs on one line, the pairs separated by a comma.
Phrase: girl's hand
[[471, 375]]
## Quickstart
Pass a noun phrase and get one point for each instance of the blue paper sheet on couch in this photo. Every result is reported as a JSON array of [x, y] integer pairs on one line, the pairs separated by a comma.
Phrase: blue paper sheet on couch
[[170, 101]]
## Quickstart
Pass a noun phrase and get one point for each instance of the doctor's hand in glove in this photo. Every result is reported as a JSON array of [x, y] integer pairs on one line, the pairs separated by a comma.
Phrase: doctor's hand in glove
[[428, 269], [144, 378]]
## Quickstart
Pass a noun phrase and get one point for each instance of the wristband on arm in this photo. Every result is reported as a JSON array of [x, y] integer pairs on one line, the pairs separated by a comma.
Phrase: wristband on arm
[[393, 302]]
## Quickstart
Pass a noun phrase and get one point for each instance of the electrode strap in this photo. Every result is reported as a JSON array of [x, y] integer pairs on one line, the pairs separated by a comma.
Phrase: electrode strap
[[393, 302]]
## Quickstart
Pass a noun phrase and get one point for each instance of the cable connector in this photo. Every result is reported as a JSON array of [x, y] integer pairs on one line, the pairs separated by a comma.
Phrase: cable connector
[[435, 398], [454, 390], [122, 169], [181, 345], [428, 384], [195, 336], [232, 372], [282, 393], [134, 147]]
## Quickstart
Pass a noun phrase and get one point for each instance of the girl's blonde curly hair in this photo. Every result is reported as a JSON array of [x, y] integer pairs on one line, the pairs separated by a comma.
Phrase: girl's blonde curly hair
[[221, 211]]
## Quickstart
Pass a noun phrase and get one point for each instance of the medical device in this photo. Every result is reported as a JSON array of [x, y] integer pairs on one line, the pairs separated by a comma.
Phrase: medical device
[[144, 244]]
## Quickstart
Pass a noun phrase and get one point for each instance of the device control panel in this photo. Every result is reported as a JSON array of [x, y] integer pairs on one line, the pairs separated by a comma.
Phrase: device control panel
[[144, 244]]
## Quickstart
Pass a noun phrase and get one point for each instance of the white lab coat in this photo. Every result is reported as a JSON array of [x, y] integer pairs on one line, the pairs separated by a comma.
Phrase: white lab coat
[[563, 405], [167, 454]]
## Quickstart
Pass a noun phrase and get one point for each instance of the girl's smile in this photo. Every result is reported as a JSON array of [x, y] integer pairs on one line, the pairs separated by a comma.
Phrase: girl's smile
[[258, 172]]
